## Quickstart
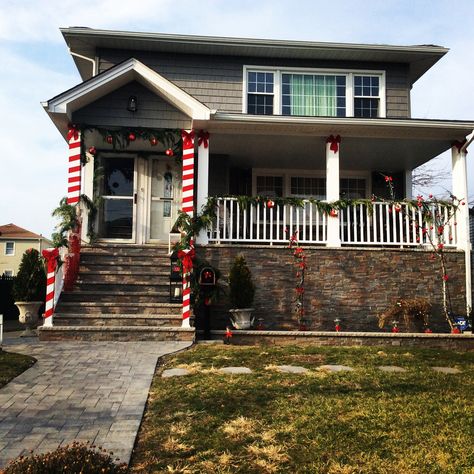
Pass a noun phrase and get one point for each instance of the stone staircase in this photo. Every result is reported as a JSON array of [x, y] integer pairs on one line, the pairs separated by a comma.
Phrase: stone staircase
[[121, 294]]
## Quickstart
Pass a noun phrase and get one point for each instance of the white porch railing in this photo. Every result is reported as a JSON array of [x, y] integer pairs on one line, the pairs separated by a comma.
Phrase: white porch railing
[[259, 223], [377, 225]]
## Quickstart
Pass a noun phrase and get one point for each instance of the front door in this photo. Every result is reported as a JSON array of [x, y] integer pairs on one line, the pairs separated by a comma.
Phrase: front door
[[117, 182], [163, 197]]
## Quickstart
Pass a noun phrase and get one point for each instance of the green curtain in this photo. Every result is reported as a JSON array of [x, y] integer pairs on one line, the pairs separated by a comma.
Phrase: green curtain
[[313, 95]]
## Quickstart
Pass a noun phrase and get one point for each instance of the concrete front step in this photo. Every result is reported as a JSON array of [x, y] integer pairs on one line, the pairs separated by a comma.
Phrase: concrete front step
[[126, 268], [95, 307], [116, 297], [122, 287], [160, 320], [112, 276], [115, 333]]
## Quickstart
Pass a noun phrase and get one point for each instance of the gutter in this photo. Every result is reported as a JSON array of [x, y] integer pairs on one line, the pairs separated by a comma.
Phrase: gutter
[[93, 61]]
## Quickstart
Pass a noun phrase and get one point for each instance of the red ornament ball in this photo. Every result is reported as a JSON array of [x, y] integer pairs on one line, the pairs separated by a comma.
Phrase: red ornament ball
[[131, 137], [153, 141], [333, 213], [109, 139], [92, 150], [456, 330], [169, 152], [270, 204], [428, 331]]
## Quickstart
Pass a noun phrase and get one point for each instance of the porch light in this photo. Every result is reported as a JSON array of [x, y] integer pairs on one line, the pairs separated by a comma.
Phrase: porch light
[[176, 279], [132, 104]]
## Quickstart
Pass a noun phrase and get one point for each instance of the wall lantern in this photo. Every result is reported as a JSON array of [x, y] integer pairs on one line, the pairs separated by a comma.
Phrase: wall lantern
[[176, 279], [132, 104]]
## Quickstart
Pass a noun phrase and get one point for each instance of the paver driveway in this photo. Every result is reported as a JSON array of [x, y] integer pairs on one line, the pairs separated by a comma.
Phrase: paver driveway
[[87, 391]]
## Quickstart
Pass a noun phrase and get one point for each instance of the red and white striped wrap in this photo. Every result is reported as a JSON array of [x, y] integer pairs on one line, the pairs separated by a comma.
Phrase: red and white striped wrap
[[51, 256], [74, 170], [188, 207], [188, 172]]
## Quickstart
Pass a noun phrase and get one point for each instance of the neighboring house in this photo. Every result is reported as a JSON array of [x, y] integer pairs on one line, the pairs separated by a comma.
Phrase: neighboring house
[[14, 241], [280, 119]]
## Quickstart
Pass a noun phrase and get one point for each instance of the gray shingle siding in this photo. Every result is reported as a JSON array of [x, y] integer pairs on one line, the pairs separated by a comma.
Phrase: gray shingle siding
[[111, 110], [216, 81]]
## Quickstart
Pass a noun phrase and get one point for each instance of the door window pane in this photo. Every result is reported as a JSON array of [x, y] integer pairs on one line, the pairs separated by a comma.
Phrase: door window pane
[[116, 218], [118, 176]]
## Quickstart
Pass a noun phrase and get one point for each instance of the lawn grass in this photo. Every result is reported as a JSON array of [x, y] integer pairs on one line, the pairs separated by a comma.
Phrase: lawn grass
[[12, 364], [365, 421]]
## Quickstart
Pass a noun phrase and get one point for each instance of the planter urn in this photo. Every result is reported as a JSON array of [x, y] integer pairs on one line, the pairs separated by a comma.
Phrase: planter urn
[[29, 316], [242, 318]]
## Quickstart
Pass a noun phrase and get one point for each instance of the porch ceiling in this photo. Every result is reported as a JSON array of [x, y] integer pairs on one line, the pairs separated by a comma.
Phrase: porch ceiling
[[281, 142]]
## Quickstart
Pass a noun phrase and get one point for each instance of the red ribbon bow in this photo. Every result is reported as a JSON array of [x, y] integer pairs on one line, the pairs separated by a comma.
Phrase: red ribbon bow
[[186, 257], [203, 138], [51, 256], [334, 141], [459, 145], [73, 132], [187, 137]]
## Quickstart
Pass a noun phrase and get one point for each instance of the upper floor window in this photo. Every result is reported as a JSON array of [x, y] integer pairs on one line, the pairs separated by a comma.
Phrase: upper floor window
[[366, 96], [9, 248], [313, 94], [260, 93]]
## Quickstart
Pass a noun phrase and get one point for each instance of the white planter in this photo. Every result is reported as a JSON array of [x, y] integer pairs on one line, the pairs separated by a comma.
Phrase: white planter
[[29, 316], [241, 318]]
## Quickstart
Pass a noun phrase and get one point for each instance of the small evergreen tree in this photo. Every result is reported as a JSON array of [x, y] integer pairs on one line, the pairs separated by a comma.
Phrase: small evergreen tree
[[30, 282], [241, 287]]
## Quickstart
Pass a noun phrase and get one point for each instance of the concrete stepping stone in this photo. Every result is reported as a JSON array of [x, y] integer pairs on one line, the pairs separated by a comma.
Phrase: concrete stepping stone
[[446, 370], [235, 370], [391, 368], [336, 368], [292, 369], [175, 373]]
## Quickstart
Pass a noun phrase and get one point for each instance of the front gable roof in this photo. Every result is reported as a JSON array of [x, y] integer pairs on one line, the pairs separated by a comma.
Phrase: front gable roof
[[12, 231], [61, 107]]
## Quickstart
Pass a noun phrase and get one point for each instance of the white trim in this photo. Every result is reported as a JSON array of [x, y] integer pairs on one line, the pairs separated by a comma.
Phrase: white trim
[[12, 272], [5, 249], [349, 74], [118, 76]]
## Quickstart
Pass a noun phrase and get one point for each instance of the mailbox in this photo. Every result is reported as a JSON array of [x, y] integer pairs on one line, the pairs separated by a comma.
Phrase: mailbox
[[207, 277], [176, 279]]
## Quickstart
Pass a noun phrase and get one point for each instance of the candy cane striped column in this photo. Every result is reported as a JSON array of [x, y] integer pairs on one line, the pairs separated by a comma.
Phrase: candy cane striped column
[[188, 208], [51, 256], [74, 170]]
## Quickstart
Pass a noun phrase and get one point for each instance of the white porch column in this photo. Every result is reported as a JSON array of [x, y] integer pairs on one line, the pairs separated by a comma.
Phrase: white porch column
[[459, 177], [408, 184], [332, 188], [88, 190], [202, 180]]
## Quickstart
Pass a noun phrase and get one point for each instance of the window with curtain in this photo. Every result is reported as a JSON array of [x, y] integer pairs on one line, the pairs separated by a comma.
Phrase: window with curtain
[[313, 95]]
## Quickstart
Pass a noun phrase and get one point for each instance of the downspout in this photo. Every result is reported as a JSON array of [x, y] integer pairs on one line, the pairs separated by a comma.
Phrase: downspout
[[468, 246], [94, 64]]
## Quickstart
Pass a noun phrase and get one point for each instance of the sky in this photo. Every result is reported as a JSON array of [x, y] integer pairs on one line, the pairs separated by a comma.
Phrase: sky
[[36, 66]]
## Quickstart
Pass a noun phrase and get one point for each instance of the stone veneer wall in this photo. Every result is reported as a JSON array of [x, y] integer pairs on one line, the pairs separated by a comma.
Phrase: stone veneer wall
[[350, 283]]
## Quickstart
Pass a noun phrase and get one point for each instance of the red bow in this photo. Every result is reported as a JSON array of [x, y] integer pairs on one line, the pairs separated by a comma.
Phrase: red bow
[[186, 257], [459, 145], [51, 256], [73, 132], [188, 138], [203, 138], [334, 141]]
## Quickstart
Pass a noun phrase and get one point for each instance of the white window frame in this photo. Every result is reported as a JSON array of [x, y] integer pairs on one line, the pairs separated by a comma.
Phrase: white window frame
[[6, 245], [12, 273], [278, 71], [287, 174]]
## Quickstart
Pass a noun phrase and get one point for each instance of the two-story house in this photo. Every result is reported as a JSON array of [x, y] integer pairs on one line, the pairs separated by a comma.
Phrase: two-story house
[[294, 122]]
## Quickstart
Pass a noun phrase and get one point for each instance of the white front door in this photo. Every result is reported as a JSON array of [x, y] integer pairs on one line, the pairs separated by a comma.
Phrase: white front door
[[164, 184]]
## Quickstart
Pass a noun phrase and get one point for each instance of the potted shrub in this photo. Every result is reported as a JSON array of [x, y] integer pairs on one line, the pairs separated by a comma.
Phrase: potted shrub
[[241, 294], [29, 289]]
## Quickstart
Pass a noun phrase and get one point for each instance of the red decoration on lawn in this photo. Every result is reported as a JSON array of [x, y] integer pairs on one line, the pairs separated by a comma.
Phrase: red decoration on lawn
[[227, 335], [334, 141], [203, 138]]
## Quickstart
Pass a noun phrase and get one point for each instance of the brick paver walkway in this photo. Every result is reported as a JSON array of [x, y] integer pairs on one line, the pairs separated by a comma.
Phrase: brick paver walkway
[[87, 391]]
